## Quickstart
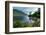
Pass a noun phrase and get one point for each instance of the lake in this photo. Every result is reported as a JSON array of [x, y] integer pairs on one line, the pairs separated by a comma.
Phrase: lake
[[22, 18]]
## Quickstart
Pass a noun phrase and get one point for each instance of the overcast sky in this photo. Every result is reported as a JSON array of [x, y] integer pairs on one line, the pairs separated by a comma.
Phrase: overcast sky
[[27, 9]]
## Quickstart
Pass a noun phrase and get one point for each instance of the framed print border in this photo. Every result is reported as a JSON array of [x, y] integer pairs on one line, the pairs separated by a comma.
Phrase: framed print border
[[7, 16]]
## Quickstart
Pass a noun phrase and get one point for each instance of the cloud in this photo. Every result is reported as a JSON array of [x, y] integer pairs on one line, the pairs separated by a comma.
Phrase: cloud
[[27, 10]]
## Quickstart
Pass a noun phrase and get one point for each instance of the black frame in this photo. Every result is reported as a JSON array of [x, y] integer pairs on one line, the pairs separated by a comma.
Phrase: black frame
[[7, 16]]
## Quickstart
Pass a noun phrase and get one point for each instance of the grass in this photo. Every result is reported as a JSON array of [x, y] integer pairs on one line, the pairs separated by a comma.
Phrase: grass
[[19, 24]]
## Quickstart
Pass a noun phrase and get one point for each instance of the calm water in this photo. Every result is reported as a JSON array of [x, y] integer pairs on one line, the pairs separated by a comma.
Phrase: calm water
[[22, 18]]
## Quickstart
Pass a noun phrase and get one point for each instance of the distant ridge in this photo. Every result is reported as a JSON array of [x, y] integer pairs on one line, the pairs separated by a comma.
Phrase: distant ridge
[[19, 12]]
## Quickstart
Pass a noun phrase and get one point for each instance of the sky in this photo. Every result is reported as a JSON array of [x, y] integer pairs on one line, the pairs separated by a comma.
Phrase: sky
[[27, 9]]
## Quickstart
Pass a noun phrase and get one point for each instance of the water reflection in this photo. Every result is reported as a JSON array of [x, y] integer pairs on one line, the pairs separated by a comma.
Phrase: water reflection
[[22, 18]]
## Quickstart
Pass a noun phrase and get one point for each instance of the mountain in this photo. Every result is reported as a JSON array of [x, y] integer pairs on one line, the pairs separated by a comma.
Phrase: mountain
[[17, 12]]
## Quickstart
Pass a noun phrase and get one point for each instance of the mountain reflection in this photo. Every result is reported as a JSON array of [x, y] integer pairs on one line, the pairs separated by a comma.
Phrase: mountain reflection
[[22, 18]]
